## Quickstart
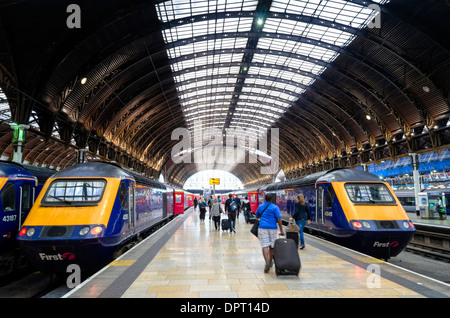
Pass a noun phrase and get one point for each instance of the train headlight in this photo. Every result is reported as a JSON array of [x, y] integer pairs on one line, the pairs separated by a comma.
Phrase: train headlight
[[366, 224], [84, 230], [30, 231], [407, 224]]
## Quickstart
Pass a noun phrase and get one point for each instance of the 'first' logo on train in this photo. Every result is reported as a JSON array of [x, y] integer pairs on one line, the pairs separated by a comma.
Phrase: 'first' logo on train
[[57, 257]]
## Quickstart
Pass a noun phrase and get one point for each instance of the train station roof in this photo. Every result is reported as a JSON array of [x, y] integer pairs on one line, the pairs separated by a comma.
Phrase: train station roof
[[309, 85]]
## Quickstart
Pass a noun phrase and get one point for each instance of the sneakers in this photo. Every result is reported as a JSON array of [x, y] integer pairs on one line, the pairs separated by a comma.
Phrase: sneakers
[[266, 268]]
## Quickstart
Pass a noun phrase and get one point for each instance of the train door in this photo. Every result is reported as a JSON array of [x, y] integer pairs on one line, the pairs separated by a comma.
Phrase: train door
[[328, 205], [25, 201], [165, 204], [319, 205], [131, 206]]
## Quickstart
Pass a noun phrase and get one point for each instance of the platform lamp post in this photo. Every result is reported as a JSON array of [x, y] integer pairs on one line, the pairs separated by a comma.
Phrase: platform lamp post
[[415, 166], [19, 131]]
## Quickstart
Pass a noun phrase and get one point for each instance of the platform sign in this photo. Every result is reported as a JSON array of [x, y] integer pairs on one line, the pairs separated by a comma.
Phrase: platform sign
[[214, 181]]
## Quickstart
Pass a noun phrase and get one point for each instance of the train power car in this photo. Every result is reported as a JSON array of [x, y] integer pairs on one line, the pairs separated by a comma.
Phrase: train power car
[[19, 185], [352, 206], [87, 212]]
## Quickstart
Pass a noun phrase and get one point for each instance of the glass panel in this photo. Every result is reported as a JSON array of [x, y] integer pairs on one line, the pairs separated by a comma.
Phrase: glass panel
[[74, 191], [374, 193]]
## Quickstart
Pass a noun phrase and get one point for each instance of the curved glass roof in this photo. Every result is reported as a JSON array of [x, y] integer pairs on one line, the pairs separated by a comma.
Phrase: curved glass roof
[[241, 64]]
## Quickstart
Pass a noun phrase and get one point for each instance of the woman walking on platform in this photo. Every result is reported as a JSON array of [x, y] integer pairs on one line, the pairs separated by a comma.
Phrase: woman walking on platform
[[301, 217], [215, 211]]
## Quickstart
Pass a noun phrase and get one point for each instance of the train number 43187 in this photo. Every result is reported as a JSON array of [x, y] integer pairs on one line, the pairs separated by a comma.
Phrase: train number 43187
[[9, 218]]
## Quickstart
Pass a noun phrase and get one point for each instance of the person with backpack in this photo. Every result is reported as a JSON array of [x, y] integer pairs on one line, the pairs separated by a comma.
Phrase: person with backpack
[[202, 205], [231, 208]]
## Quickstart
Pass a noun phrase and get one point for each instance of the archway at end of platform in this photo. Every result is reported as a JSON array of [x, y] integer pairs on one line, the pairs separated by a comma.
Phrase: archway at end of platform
[[202, 180]]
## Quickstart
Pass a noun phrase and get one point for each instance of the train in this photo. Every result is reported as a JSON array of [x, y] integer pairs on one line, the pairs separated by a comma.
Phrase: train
[[353, 207], [19, 186], [86, 214]]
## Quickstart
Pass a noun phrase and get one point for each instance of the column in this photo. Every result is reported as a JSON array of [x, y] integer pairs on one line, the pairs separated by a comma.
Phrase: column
[[415, 166]]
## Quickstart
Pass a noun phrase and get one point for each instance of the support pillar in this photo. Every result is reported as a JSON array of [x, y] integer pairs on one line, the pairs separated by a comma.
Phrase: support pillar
[[415, 166]]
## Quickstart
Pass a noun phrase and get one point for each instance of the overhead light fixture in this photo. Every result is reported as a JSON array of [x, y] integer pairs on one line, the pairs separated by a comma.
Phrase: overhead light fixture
[[426, 89], [368, 117], [83, 80], [260, 21]]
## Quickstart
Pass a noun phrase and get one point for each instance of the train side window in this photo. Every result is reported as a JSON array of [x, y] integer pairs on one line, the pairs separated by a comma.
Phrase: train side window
[[123, 196], [330, 197], [26, 196], [9, 197]]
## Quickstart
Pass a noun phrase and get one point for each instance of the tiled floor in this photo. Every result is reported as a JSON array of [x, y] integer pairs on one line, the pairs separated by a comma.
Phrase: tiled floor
[[199, 262]]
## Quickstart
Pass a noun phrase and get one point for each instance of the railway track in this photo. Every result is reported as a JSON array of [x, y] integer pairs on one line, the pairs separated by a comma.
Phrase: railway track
[[431, 241]]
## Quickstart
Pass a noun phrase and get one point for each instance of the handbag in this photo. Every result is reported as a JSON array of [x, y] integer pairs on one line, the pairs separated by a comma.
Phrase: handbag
[[292, 227], [254, 229]]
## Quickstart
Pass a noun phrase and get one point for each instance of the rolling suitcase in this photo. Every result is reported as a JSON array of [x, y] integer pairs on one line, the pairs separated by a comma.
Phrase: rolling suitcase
[[285, 255], [293, 236], [251, 218], [225, 224]]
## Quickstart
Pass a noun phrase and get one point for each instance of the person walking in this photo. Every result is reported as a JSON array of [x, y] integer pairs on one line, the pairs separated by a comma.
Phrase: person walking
[[269, 217], [210, 202], [202, 206], [215, 211], [440, 209], [246, 209], [301, 217], [231, 208], [195, 203]]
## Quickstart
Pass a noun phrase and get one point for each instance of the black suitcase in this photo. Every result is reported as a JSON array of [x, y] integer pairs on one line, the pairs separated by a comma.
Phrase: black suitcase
[[251, 218], [225, 224], [293, 236], [285, 255]]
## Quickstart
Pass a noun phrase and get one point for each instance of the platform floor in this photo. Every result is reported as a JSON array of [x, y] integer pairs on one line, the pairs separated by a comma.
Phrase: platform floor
[[435, 221], [189, 259]]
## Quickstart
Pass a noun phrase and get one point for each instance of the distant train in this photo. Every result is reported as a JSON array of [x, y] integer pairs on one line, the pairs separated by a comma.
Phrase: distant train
[[86, 213], [19, 186], [352, 206]]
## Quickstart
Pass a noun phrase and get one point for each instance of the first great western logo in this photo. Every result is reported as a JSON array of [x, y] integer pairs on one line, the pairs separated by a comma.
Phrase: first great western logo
[[57, 257]]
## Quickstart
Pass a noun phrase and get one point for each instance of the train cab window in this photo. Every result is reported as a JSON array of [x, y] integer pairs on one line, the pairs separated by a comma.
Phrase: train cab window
[[123, 196], [329, 197], [373, 193], [9, 197], [67, 192]]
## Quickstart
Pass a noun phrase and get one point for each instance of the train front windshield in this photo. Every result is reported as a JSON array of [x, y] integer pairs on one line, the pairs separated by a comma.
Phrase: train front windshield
[[369, 193], [74, 191]]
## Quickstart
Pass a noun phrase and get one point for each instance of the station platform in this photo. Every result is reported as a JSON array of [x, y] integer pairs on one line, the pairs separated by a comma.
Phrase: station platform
[[189, 259], [435, 221]]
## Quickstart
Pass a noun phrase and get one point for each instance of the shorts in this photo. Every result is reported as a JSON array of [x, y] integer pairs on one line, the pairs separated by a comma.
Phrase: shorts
[[267, 237]]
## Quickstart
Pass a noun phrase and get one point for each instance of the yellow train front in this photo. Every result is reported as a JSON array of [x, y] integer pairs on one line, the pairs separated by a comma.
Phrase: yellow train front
[[86, 213], [353, 207]]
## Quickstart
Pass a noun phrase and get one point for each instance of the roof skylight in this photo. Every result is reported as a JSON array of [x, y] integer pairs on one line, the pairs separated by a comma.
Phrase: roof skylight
[[238, 70]]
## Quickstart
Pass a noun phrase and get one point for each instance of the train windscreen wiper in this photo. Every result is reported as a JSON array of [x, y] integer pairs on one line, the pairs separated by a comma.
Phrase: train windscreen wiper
[[60, 199]]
